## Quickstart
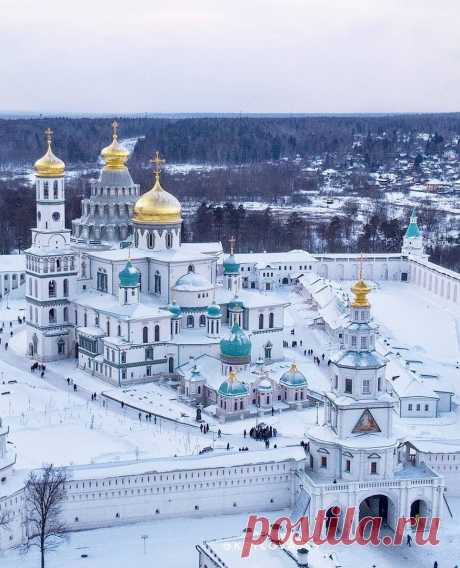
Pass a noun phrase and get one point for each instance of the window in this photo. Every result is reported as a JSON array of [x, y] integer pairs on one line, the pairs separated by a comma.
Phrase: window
[[149, 354], [337, 381], [66, 287], [417, 407], [157, 283], [149, 371], [366, 386], [169, 240], [52, 289], [353, 340], [145, 335], [61, 346], [379, 383], [426, 407], [45, 190], [157, 333], [363, 342], [268, 351], [191, 268], [102, 280], [56, 216], [374, 468], [323, 462], [52, 316], [66, 314], [261, 321], [123, 356], [150, 240], [409, 407], [271, 320], [348, 386], [55, 189], [202, 320], [190, 322], [348, 466]]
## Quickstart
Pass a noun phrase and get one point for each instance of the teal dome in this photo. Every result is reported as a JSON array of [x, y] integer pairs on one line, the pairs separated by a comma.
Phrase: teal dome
[[293, 377], [175, 310], [233, 387], [214, 310], [237, 345], [129, 276], [236, 304], [230, 265]]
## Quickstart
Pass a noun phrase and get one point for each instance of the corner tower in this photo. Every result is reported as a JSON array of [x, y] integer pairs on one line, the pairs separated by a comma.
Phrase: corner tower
[[413, 239]]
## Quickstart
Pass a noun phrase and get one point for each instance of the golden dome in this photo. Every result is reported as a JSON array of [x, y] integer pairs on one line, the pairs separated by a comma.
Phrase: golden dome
[[114, 155], [360, 289], [49, 165], [157, 205]]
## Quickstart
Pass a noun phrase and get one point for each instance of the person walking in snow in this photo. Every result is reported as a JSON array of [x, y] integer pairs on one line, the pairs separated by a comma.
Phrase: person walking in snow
[[409, 540]]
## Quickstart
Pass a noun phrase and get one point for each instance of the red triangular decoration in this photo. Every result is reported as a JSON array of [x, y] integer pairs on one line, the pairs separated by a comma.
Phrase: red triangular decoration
[[366, 423]]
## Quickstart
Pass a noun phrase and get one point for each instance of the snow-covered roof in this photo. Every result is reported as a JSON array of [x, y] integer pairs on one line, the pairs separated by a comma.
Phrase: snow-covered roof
[[12, 263], [264, 259], [148, 307]]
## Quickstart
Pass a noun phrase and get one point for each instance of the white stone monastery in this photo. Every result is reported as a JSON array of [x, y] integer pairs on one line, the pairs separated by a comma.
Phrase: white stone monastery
[[125, 297]]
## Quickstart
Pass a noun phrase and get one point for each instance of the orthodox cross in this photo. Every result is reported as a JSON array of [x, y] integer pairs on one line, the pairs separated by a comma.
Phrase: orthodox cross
[[49, 135], [361, 258], [232, 242], [158, 162], [114, 129]]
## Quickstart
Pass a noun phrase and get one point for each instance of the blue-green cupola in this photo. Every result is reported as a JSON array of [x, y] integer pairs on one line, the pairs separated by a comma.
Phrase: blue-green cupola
[[175, 310], [214, 310], [232, 276], [293, 377], [237, 348], [233, 387], [129, 276]]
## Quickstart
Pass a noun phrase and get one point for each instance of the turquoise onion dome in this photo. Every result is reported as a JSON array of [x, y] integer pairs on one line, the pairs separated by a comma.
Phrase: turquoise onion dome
[[214, 310], [231, 266], [129, 276], [236, 304], [175, 310], [293, 377], [233, 387], [237, 345]]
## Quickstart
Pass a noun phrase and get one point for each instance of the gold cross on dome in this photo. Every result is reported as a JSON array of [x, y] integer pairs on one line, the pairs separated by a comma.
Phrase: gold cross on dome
[[158, 162], [49, 135], [232, 242], [361, 258], [114, 128]]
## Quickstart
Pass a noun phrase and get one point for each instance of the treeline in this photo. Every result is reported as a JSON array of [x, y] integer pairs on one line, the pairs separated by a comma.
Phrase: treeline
[[230, 140]]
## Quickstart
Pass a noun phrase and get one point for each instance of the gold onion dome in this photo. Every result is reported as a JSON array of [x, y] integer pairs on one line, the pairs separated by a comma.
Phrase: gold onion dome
[[157, 205], [115, 155], [360, 289], [49, 165]]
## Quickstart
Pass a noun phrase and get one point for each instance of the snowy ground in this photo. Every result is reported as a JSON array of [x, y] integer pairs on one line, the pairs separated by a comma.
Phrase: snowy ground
[[171, 544]]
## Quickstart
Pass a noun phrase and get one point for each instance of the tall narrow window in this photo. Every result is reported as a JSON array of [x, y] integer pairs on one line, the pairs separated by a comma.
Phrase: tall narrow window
[[66, 287], [271, 320], [157, 333], [261, 321], [52, 289], [348, 386], [145, 335]]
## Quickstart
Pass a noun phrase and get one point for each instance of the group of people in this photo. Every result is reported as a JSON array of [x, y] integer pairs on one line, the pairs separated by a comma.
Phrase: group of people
[[261, 432], [204, 428], [316, 359], [40, 367]]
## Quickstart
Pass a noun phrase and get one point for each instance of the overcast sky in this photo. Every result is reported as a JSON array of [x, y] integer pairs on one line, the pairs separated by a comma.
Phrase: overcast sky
[[229, 55]]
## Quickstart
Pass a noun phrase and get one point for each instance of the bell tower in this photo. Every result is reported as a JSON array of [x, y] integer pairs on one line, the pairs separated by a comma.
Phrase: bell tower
[[50, 265]]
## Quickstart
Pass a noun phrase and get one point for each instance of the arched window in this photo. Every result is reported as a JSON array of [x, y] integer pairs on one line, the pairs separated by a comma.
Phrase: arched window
[[108, 327], [119, 330], [169, 240], [136, 239], [190, 321], [45, 190], [150, 240], [85, 319], [157, 283], [52, 315], [191, 268], [268, 350], [102, 280], [66, 287], [202, 320], [271, 320], [261, 321], [157, 333], [66, 314], [55, 189], [145, 335], [52, 289]]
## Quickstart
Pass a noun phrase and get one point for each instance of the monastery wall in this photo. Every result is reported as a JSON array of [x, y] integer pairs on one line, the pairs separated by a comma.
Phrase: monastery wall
[[439, 281], [97, 497]]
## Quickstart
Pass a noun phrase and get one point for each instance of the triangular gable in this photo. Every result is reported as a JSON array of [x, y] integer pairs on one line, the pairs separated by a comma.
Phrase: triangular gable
[[366, 423]]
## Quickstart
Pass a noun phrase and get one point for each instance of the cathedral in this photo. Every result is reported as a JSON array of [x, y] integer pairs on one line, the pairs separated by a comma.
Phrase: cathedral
[[129, 300]]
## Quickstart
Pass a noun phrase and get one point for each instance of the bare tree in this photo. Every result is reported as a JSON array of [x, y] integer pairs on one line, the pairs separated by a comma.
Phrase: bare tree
[[45, 493], [5, 518]]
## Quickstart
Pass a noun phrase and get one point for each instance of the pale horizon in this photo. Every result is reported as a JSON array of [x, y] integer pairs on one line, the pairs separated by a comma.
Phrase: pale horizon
[[250, 57]]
